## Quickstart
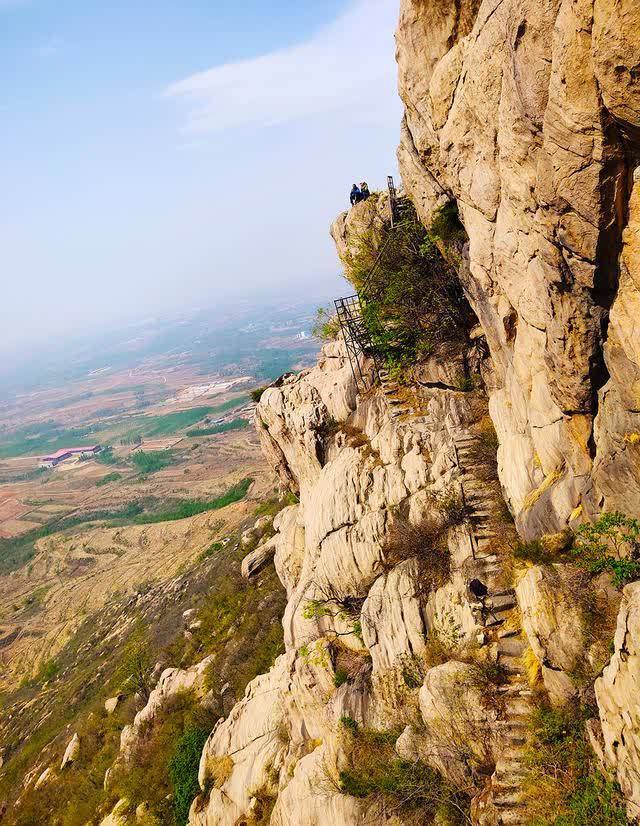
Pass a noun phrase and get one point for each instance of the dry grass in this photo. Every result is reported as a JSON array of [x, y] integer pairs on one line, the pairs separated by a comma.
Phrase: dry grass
[[427, 544]]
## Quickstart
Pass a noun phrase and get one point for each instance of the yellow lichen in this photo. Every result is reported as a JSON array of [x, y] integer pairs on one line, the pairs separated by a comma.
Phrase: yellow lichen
[[532, 666], [632, 438], [548, 482]]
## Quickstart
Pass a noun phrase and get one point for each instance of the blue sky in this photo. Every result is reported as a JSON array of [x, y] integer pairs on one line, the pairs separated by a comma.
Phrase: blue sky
[[166, 154]]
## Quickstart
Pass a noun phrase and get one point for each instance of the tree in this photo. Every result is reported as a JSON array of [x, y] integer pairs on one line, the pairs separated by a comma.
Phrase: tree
[[134, 671]]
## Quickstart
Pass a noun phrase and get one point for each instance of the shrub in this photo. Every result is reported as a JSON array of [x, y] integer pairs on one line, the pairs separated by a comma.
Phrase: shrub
[[326, 325], [256, 393], [563, 785], [151, 461], [532, 551], [183, 771], [425, 542], [446, 224], [612, 543], [376, 772], [412, 299], [110, 477]]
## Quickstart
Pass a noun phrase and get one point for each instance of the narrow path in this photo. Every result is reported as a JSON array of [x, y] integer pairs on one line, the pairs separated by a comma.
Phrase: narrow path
[[500, 619]]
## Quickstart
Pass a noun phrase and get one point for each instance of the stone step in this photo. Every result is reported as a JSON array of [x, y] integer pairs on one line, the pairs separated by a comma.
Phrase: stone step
[[517, 707], [514, 769], [511, 646], [486, 558], [502, 603], [507, 799], [510, 632], [512, 817], [511, 665]]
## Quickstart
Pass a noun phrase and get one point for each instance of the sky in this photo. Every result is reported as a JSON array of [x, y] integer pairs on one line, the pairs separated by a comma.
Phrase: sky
[[167, 155]]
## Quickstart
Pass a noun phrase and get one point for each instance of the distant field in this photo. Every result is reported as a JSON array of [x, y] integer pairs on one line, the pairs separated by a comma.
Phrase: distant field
[[225, 427], [49, 437]]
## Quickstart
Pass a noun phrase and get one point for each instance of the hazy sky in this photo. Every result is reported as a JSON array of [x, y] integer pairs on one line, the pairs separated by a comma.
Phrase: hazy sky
[[160, 154]]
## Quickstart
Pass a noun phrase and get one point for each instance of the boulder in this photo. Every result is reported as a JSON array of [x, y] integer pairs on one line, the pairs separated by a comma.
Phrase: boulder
[[72, 752], [111, 704], [259, 558], [617, 692]]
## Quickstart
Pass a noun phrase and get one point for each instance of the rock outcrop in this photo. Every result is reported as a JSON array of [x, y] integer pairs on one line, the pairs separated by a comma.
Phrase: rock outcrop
[[528, 117], [617, 692]]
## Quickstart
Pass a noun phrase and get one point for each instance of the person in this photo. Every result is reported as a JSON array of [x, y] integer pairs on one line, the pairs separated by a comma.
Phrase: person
[[356, 195], [481, 592], [364, 190]]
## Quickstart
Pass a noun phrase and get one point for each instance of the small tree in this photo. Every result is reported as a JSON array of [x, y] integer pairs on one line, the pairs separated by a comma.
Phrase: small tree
[[326, 326], [133, 673], [612, 543]]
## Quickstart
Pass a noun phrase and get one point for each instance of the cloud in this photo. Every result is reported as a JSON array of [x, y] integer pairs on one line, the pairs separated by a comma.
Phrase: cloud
[[348, 66]]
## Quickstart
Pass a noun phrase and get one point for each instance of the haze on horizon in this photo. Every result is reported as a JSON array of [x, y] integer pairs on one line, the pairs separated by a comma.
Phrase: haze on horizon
[[157, 161]]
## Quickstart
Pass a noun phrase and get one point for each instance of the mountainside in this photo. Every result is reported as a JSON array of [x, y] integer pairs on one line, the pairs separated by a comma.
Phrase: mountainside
[[459, 529]]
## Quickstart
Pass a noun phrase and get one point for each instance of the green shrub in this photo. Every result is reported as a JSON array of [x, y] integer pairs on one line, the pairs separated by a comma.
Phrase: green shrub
[[340, 677], [47, 671], [375, 772], [326, 326], [446, 224], [563, 785], [183, 771], [256, 393], [151, 461], [110, 477], [412, 299], [612, 543], [532, 551]]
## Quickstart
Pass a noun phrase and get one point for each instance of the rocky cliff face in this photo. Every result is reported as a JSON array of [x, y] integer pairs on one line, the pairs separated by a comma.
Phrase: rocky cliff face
[[527, 114]]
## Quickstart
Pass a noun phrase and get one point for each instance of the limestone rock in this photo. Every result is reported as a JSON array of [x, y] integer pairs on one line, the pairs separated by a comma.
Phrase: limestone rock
[[111, 704], [458, 734], [173, 681], [118, 815], [259, 558], [72, 752], [617, 691], [508, 108], [554, 624], [393, 623], [45, 777]]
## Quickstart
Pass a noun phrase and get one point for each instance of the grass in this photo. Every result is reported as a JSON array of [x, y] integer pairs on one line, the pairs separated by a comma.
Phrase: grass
[[192, 507], [240, 627], [156, 427], [225, 427], [183, 770]]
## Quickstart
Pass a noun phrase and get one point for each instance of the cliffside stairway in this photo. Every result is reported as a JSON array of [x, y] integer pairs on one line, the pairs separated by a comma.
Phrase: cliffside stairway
[[498, 614], [349, 311]]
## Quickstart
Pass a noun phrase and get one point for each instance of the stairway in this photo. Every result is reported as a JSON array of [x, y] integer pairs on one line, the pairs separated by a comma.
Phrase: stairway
[[399, 407], [500, 620]]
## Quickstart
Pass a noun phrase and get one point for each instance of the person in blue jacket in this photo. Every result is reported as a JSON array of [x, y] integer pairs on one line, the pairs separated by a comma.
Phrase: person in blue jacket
[[355, 196]]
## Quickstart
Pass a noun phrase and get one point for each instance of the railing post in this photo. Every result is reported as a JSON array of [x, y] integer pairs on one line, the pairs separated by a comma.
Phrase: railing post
[[393, 199]]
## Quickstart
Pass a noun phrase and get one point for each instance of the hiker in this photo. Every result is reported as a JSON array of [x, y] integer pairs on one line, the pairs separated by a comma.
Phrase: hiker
[[481, 592], [356, 196], [364, 190]]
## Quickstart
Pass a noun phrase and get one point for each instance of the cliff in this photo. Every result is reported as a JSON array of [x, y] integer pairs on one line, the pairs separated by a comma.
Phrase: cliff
[[462, 561], [401, 693]]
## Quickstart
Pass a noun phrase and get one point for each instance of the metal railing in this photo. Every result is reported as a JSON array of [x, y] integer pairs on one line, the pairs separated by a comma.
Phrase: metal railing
[[355, 332]]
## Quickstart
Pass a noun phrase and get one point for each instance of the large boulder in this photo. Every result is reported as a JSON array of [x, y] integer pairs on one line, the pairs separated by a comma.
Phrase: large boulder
[[617, 692], [72, 752]]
